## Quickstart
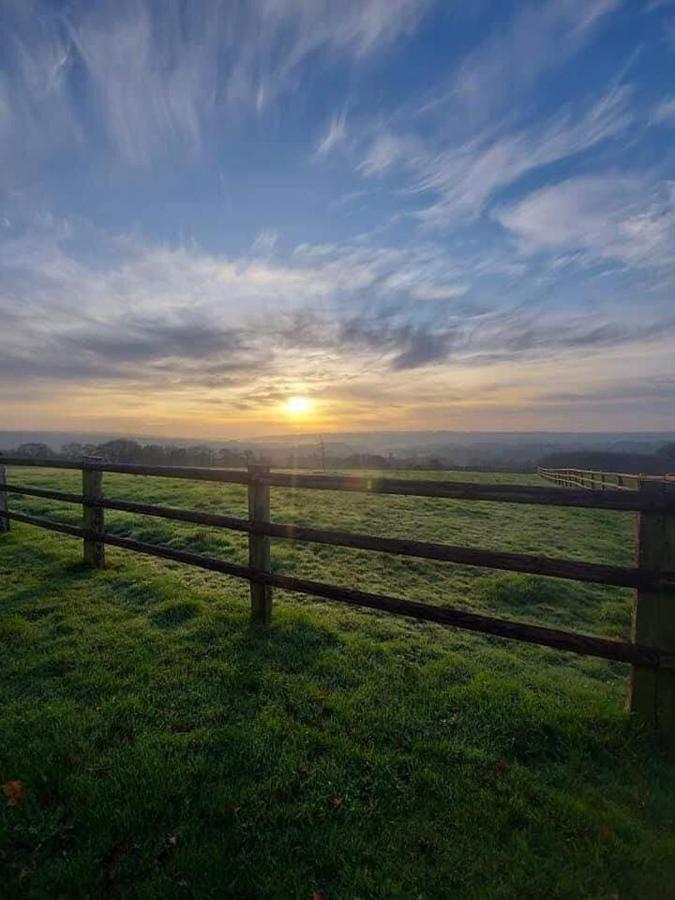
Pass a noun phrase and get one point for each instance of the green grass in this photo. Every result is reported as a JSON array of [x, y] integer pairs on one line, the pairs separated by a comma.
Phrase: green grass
[[168, 750]]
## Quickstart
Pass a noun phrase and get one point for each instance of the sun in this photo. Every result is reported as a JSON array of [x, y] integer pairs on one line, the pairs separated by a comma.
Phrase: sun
[[298, 406]]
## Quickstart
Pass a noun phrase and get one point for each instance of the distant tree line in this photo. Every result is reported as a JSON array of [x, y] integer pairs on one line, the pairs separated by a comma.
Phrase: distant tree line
[[130, 451], [661, 463], [127, 451]]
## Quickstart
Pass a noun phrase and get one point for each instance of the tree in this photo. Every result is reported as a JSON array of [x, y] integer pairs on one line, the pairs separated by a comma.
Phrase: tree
[[72, 450], [35, 451], [228, 458], [120, 451]]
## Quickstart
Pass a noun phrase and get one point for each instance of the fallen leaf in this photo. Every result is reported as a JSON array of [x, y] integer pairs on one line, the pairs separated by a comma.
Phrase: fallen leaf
[[182, 728], [14, 792], [168, 851], [604, 833], [426, 845], [337, 802]]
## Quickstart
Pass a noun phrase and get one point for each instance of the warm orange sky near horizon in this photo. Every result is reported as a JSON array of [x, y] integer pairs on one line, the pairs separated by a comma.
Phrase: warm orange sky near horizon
[[497, 399], [416, 215]]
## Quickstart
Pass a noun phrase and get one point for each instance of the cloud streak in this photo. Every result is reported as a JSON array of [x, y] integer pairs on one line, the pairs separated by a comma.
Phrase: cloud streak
[[334, 136], [464, 177], [182, 317], [37, 114], [212, 204], [620, 217], [157, 72], [540, 38], [659, 389]]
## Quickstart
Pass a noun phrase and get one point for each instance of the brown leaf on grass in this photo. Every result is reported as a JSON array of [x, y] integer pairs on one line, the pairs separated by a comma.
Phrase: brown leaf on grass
[[337, 802], [168, 851], [13, 791], [605, 833], [320, 695]]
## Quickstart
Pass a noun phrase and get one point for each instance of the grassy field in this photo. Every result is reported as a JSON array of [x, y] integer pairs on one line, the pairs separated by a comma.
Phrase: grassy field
[[165, 749]]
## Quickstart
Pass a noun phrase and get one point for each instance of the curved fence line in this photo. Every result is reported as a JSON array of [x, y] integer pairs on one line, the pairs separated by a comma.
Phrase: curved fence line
[[592, 479]]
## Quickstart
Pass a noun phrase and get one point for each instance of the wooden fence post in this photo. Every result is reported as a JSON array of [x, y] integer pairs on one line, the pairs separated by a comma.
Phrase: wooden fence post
[[652, 691], [259, 545], [4, 523], [92, 516]]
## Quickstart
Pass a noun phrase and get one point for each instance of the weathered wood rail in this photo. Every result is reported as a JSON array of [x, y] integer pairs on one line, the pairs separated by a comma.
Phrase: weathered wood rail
[[596, 480], [651, 652]]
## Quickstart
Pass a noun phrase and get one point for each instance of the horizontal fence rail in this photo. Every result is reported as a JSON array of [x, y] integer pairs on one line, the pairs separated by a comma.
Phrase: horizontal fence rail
[[448, 490], [591, 479], [588, 645], [652, 695], [622, 576]]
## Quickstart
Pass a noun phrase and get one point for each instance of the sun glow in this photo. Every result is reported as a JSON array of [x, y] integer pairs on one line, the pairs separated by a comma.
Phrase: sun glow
[[299, 406]]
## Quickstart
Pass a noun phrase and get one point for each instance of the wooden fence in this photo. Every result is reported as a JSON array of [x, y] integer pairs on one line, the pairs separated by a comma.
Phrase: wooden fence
[[600, 481], [651, 652]]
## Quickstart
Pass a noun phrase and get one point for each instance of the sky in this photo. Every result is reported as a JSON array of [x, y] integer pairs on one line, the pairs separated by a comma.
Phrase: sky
[[409, 214]]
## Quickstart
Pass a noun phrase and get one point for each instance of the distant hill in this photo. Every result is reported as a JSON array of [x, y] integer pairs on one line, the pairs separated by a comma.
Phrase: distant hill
[[56, 439], [516, 451]]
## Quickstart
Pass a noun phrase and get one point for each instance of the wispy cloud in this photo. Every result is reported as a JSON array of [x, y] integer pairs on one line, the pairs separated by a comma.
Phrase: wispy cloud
[[664, 112], [439, 292], [481, 215], [37, 114], [622, 217], [264, 243], [388, 150], [334, 135], [541, 37], [156, 76], [495, 337], [653, 388], [181, 316], [464, 176]]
